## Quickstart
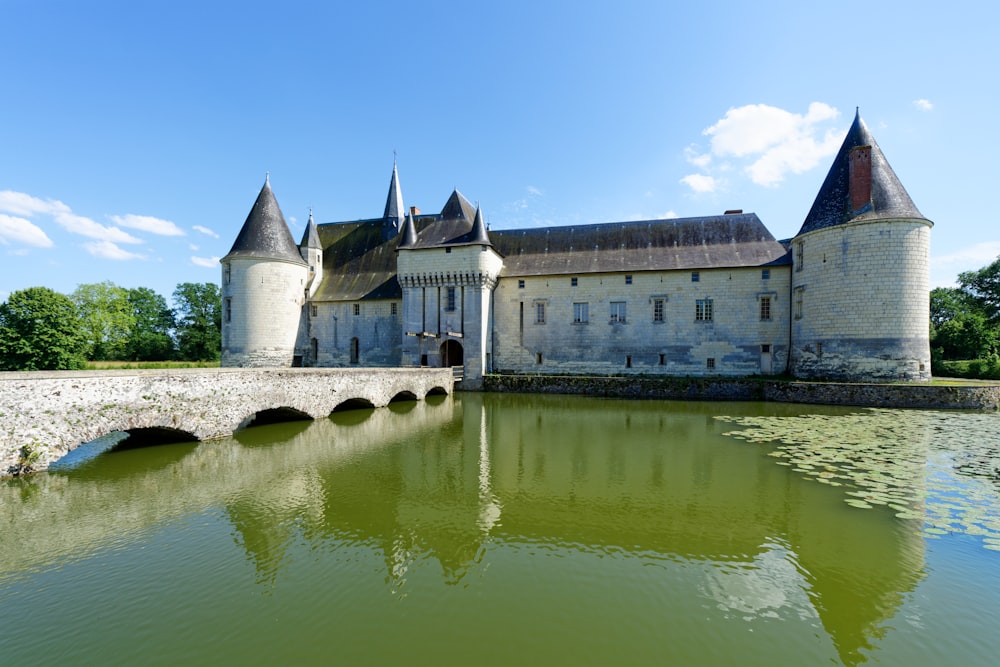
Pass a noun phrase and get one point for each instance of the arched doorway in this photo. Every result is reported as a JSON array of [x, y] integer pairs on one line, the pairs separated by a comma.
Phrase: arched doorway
[[451, 353], [355, 351]]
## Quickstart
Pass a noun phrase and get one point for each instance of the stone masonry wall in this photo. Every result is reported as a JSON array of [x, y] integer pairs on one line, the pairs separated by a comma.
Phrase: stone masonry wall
[[680, 344], [61, 410]]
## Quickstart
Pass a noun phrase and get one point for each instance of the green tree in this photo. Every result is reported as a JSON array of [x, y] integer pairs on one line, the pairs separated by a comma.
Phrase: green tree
[[967, 335], [150, 338], [40, 330], [984, 286], [106, 318], [198, 311]]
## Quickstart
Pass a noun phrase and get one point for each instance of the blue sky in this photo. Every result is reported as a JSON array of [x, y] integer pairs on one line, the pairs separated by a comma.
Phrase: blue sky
[[134, 136]]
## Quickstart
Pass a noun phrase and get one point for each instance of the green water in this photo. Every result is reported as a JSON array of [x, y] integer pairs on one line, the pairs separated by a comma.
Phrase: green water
[[496, 530]]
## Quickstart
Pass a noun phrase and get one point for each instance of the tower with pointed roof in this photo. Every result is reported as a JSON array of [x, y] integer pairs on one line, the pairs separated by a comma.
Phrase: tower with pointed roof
[[312, 252], [860, 282], [448, 271], [264, 278]]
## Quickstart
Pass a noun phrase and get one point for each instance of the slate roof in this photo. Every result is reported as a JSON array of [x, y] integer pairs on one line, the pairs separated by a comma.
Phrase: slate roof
[[832, 205], [310, 238], [265, 233], [394, 208], [357, 263], [723, 241], [459, 223]]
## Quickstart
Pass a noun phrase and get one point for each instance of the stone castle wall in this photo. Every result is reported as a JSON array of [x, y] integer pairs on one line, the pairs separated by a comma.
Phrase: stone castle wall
[[860, 302], [262, 305], [680, 344]]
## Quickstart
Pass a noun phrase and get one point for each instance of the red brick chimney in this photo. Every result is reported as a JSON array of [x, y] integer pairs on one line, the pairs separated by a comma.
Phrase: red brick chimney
[[859, 179]]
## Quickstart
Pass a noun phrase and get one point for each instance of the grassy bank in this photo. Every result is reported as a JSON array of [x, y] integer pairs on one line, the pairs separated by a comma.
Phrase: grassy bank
[[137, 365]]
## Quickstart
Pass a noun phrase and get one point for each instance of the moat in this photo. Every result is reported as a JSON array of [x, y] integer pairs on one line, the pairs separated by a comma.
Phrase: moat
[[493, 529]]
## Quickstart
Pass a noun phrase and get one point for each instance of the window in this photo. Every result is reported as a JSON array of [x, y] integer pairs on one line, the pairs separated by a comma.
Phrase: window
[[819, 349], [658, 310], [540, 312], [229, 310], [581, 313], [357, 309], [227, 273], [695, 276], [703, 310], [450, 296], [798, 302], [314, 310], [765, 308], [628, 361], [447, 251], [393, 308], [765, 348], [628, 279], [765, 274], [573, 282], [710, 363], [663, 359], [538, 358], [520, 284], [799, 253], [618, 312]]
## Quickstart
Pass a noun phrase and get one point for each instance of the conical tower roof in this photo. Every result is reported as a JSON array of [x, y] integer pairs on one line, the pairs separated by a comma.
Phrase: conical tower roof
[[408, 234], [889, 200], [265, 234], [394, 208], [478, 234], [310, 238]]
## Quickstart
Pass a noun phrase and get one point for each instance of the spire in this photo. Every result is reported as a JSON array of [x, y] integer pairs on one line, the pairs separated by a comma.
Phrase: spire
[[408, 234], [478, 233], [265, 233], [394, 208], [310, 238], [859, 186]]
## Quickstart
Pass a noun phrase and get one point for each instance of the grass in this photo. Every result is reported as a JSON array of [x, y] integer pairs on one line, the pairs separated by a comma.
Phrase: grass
[[137, 365]]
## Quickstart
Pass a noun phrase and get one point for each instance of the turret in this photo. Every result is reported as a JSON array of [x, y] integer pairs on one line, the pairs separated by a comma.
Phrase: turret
[[392, 218], [860, 283], [263, 283], [312, 252]]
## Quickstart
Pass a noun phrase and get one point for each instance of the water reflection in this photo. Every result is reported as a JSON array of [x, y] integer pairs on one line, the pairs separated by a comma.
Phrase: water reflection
[[447, 482]]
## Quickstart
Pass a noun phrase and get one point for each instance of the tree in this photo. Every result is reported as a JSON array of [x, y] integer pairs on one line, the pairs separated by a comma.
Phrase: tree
[[106, 317], [199, 321], [150, 338], [984, 286], [40, 330]]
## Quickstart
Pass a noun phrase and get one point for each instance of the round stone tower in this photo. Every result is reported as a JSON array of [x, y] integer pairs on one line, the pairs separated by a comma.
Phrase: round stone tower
[[264, 279], [860, 282]]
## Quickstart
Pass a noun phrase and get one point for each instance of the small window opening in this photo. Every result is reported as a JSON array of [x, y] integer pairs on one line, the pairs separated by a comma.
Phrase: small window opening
[[710, 363], [663, 359], [538, 358]]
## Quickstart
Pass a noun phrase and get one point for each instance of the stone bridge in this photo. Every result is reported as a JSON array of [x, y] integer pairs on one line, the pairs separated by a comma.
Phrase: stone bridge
[[54, 412]]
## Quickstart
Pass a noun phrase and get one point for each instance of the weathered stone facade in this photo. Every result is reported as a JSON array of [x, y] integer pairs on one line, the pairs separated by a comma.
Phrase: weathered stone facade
[[846, 299]]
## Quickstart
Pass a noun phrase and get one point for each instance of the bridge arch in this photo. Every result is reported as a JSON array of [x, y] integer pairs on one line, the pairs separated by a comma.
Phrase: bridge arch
[[274, 416], [403, 396], [353, 404]]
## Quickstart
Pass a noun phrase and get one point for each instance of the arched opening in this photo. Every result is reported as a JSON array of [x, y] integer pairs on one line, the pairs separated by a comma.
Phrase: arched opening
[[402, 402], [437, 391], [451, 353], [87, 458], [355, 350], [354, 404], [403, 396], [275, 416]]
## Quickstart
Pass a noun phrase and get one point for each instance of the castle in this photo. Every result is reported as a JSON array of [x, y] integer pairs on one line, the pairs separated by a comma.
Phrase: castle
[[846, 299]]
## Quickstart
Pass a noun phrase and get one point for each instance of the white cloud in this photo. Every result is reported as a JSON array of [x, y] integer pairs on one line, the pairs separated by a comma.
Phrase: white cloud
[[107, 250], [701, 160], [669, 214], [775, 141], [22, 204], [22, 231], [192, 247], [205, 230], [700, 182], [974, 256], [207, 262], [923, 105], [148, 224], [532, 190]]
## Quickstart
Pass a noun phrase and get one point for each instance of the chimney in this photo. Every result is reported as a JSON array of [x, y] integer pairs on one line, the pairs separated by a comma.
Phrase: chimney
[[414, 211], [734, 211], [859, 177]]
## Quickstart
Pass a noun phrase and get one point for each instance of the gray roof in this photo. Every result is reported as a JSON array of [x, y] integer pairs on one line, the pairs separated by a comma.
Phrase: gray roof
[[394, 208], [889, 200], [722, 241], [265, 234], [310, 238], [357, 262], [458, 224]]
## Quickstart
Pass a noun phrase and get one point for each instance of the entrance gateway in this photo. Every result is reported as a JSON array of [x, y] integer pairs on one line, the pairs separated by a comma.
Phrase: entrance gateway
[[452, 353]]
